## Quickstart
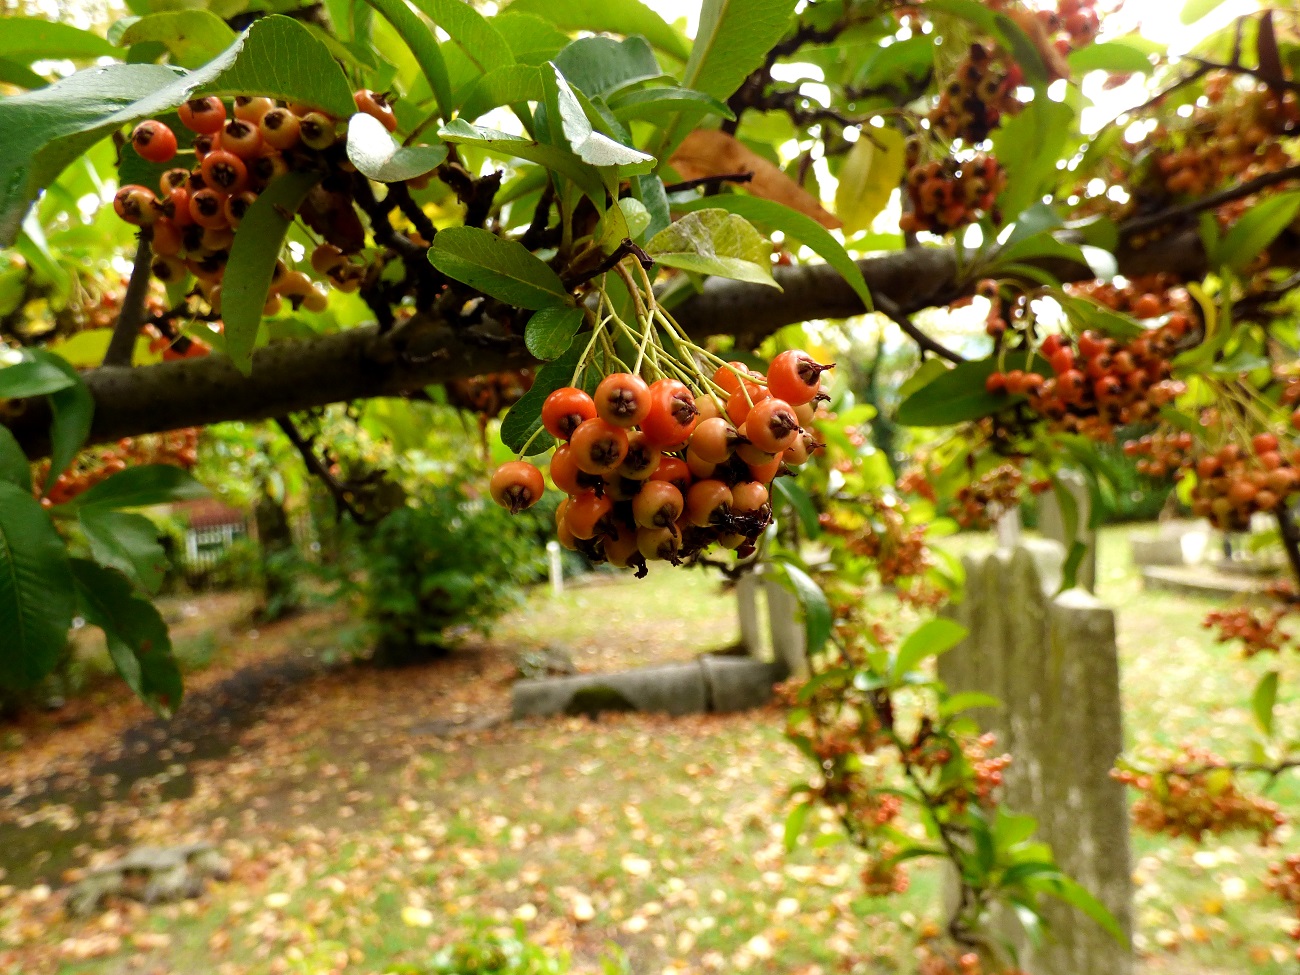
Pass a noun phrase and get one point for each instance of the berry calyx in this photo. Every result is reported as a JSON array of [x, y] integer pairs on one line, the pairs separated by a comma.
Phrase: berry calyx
[[517, 485]]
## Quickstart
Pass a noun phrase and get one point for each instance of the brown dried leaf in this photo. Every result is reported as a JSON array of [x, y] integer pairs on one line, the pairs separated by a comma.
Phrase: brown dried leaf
[[711, 152]]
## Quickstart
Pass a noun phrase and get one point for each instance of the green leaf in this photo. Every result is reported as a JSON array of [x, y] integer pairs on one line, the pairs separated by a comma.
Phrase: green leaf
[[257, 247], [14, 468], [602, 66], [930, 639], [126, 542], [51, 127], [794, 225], [558, 160], [1194, 10], [1116, 56], [1028, 146], [626, 17], [516, 83], [36, 603], [965, 701], [525, 418], [470, 31], [533, 40], [799, 501], [135, 632], [374, 151], [1257, 228], [589, 145], [73, 409], [1019, 872], [504, 269], [662, 105], [713, 241], [13, 73], [550, 331], [28, 39], [423, 44], [870, 174], [1087, 314], [140, 487], [795, 823], [816, 610], [1073, 893], [1263, 700], [957, 395], [734, 37], [32, 377], [193, 37]]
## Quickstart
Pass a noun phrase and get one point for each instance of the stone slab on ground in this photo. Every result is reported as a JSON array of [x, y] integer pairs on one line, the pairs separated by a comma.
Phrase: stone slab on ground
[[1204, 580], [710, 683]]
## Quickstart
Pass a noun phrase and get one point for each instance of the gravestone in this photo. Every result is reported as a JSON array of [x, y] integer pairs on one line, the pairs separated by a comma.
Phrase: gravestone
[[785, 627], [1052, 661]]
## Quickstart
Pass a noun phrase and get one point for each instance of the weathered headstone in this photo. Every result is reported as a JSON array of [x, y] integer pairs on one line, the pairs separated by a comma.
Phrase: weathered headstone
[[1052, 660]]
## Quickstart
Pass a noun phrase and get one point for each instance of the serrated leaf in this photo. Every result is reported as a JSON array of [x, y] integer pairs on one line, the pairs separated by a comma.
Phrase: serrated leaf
[[14, 467], [713, 241], [502, 86], [817, 617], [504, 269], [558, 160], [930, 639], [376, 154], [733, 38], [870, 174], [51, 127], [193, 37], [32, 377], [126, 542], [590, 146], [525, 418], [140, 487], [36, 603], [135, 632], [73, 409], [626, 17], [550, 331], [795, 226], [958, 395], [1263, 701], [470, 31], [423, 45], [249, 270], [28, 39]]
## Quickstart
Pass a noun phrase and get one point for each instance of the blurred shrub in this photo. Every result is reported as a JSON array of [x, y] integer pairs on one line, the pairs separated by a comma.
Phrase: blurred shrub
[[501, 954]]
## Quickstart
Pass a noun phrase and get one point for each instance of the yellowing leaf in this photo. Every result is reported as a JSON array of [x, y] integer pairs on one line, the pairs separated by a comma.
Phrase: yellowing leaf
[[416, 917], [871, 172], [710, 152]]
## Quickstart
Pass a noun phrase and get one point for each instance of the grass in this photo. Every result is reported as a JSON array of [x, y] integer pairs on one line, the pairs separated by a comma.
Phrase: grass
[[360, 840]]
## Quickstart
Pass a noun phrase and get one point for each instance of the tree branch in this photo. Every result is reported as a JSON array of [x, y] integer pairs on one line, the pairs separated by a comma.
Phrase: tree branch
[[930, 345], [433, 348], [131, 316], [316, 466], [1140, 224]]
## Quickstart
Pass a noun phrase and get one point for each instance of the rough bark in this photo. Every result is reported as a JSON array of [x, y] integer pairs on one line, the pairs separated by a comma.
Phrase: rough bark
[[362, 363]]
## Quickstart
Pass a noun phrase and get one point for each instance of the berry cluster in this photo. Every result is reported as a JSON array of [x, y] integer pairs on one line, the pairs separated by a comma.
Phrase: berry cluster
[[1149, 296], [980, 93], [1233, 484], [988, 497], [196, 211], [1160, 453], [178, 448], [1258, 630], [1098, 383], [1199, 797], [1284, 881], [657, 472], [876, 529], [884, 875], [947, 194], [942, 961], [1072, 25]]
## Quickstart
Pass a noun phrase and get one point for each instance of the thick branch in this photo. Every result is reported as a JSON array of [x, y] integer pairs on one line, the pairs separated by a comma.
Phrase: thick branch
[[131, 315], [362, 363]]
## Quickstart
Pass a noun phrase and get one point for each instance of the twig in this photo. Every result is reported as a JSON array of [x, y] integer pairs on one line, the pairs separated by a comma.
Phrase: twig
[[627, 248], [318, 468], [121, 346], [896, 315], [690, 184], [1237, 192], [400, 193]]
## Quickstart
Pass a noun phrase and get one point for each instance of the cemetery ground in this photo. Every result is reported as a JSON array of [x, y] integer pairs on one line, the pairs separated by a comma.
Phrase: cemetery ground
[[372, 816]]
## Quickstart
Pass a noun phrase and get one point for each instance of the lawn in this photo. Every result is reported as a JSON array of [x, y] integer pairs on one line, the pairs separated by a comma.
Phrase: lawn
[[363, 834]]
